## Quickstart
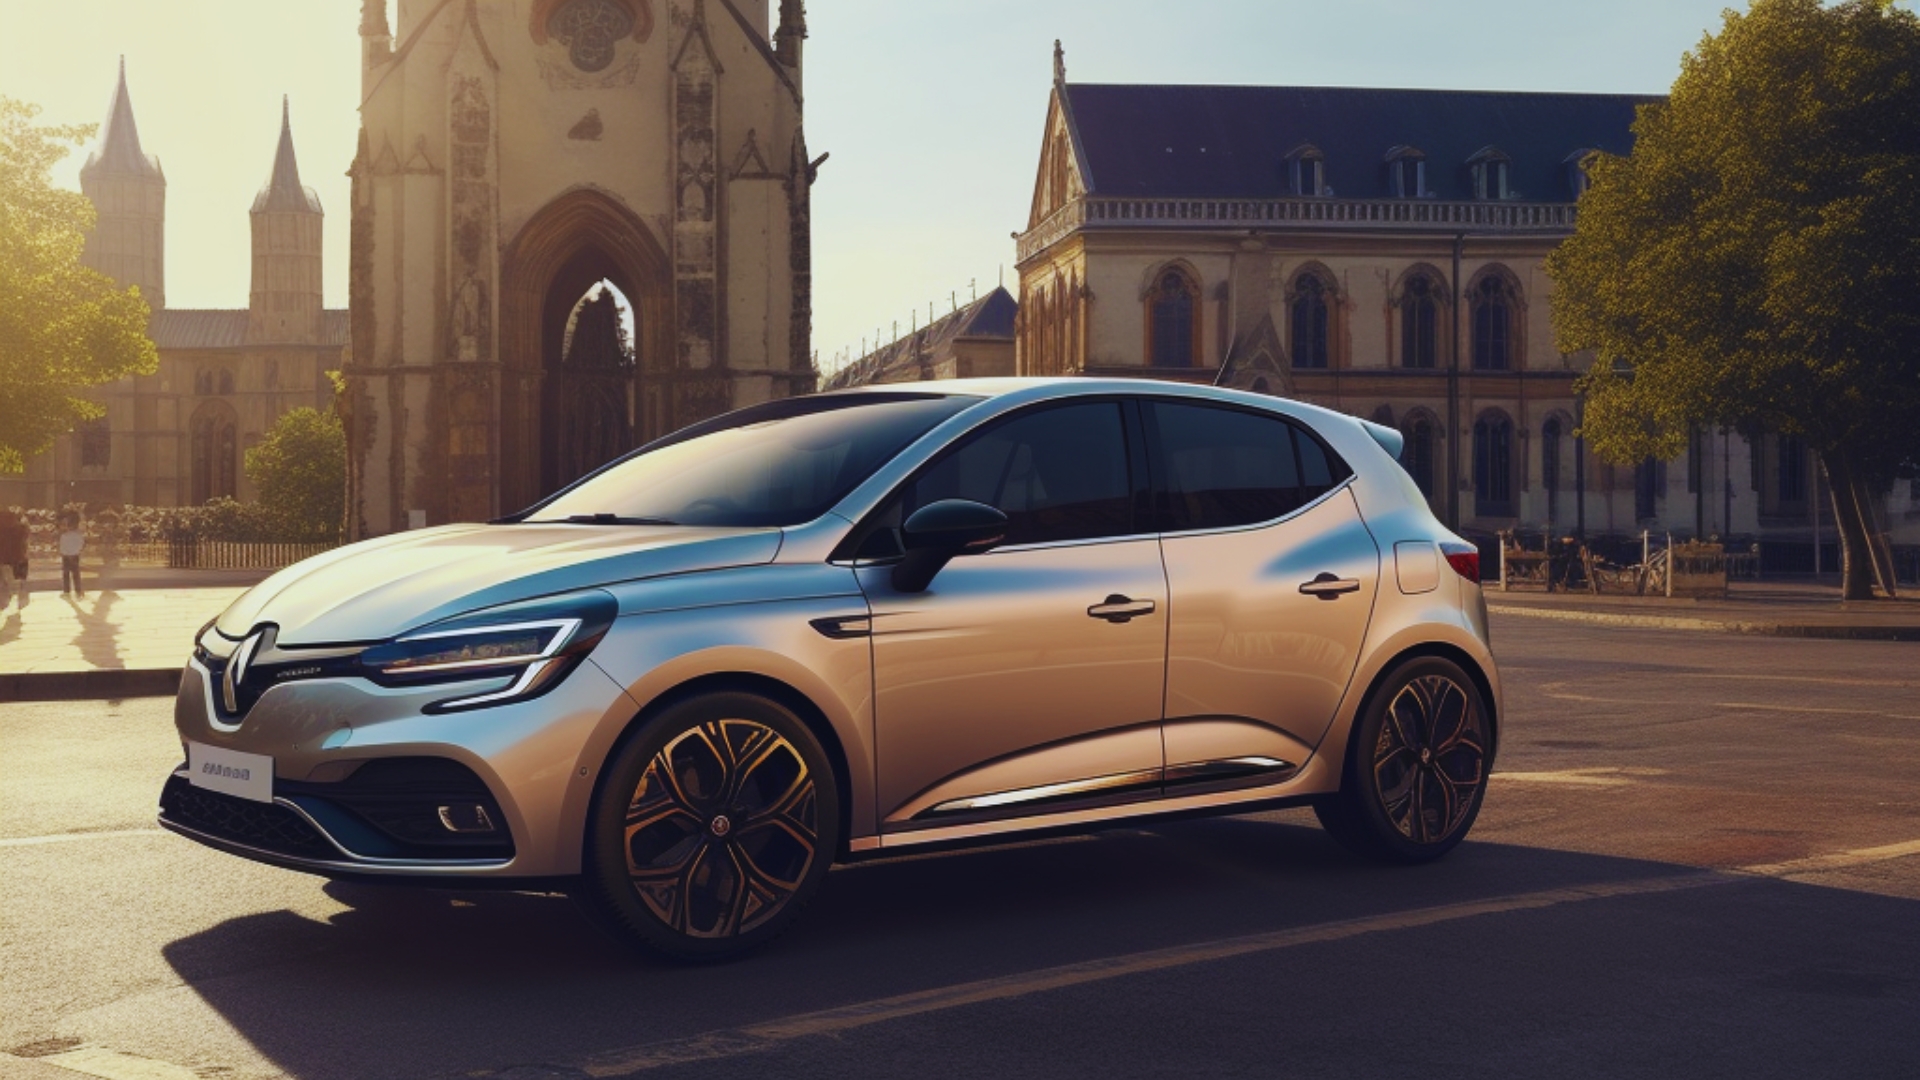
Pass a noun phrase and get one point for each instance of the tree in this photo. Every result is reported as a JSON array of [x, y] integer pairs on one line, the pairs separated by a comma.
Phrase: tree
[[1755, 261], [63, 327], [300, 470]]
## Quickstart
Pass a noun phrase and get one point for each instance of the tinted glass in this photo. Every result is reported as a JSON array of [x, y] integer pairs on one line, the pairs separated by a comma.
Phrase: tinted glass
[[1223, 467], [778, 464], [1058, 474]]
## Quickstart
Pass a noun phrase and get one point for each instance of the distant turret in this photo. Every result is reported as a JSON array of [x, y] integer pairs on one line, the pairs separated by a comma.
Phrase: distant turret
[[376, 38], [129, 192], [285, 302], [793, 31]]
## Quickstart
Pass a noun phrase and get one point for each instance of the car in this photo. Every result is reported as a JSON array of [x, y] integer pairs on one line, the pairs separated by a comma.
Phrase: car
[[851, 625]]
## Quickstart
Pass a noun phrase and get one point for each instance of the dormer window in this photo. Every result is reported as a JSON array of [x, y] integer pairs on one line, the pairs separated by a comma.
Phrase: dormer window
[[1490, 174], [1308, 168], [1407, 173], [1577, 179]]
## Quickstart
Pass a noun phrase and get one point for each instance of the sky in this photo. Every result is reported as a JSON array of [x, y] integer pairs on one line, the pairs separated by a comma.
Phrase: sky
[[931, 110]]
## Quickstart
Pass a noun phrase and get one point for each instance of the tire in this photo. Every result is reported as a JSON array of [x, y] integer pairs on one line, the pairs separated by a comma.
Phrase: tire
[[712, 829], [1417, 766]]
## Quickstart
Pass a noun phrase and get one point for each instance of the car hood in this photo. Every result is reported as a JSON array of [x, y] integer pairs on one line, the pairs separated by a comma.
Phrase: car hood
[[378, 588]]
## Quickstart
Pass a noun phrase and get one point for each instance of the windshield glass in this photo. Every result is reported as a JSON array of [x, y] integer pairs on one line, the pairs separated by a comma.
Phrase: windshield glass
[[781, 463]]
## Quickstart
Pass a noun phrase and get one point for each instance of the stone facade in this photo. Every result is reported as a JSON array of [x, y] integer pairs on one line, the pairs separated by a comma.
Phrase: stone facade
[[514, 155], [177, 437], [1354, 249]]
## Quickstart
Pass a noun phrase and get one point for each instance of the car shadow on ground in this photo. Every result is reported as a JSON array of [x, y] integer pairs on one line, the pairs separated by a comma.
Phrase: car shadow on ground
[[423, 983]]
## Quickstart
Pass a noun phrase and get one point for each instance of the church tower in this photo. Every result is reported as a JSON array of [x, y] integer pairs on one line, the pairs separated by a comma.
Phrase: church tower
[[284, 306], [129, 193], [526, 166]]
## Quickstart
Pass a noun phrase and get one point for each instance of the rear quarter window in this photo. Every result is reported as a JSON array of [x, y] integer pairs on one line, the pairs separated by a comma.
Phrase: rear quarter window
[[1221, 467]]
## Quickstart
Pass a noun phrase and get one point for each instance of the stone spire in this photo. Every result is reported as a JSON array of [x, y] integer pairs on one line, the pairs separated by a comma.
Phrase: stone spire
[[793, 31], [1059, 63], [284, 306], [129, 193], [283, 190], [376, 36], [119, 150]]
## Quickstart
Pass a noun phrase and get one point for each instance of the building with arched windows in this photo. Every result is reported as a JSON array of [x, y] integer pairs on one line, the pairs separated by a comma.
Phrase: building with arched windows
[[1379, 252], [178, 437]]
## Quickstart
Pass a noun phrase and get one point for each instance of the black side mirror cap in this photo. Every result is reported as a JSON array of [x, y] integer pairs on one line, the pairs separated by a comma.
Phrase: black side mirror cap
[[938, 532]]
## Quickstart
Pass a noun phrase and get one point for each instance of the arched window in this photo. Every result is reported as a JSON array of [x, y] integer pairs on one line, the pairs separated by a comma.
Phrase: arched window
[[1417, 455], [216, 452], [1493, 466], [1492, 301], [1173, 323], [1420, 322], [1490, 169], [1308, 168], [1407, 170], [96, 443], [1311, 309]]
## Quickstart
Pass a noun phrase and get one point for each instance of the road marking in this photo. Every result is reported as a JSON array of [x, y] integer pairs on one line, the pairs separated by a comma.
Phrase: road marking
[[114, 1065], [67, 838], [1597, 777], [1839, 860], [756, 1038], [1797, 678], [1811, 709]]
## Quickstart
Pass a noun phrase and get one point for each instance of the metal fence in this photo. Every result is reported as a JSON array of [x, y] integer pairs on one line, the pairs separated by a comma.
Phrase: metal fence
[[233, 555]]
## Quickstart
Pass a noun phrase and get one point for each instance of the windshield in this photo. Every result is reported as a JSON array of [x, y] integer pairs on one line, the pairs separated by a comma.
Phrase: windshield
[[781, 463]]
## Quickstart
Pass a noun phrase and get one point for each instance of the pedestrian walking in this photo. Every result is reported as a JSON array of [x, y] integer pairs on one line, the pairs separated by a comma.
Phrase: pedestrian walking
[[72, 543], [13, 559]]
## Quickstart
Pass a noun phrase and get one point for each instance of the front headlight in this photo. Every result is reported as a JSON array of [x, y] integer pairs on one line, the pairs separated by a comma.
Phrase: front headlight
[[533, 644]]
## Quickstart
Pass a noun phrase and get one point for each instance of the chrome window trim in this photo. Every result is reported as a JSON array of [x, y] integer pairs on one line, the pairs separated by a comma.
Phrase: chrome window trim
[[1269, 523]]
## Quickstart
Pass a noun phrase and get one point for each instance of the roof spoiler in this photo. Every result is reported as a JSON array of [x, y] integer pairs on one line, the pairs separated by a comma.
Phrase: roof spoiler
[[1390, 440]]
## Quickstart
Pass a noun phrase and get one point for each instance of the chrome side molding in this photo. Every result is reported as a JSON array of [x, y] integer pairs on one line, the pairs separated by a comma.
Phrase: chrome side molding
[[1198, 772]]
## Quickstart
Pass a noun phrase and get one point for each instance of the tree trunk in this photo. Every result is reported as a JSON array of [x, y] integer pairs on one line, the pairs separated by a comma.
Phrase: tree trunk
[[1856, 567]]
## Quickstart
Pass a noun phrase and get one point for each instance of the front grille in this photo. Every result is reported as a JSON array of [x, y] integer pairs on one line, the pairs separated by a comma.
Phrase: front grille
[[265, 826]]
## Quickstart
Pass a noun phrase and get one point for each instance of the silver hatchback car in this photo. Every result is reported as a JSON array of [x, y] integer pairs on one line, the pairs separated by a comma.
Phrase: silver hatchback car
[[850, 625]]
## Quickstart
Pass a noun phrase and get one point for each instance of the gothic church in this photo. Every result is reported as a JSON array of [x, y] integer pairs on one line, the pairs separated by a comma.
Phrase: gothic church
[[519, 159]]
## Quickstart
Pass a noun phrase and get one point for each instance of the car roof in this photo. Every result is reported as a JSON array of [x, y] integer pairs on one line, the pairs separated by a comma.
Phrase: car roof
[[1039, 388]]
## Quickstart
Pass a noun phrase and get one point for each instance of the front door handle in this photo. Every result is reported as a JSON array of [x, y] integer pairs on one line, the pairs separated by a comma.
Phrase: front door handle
[[1119, 609], [1330, 586]]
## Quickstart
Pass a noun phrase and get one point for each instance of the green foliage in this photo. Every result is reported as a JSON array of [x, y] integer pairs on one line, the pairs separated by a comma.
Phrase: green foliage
[[300, 470], [63, 327], [1757, 257]]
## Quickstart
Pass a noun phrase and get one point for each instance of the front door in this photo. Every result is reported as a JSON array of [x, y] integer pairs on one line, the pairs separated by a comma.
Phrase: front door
[[1028, 678]]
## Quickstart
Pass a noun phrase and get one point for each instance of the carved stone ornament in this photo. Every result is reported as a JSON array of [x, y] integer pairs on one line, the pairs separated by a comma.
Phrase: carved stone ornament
[[589, 29]]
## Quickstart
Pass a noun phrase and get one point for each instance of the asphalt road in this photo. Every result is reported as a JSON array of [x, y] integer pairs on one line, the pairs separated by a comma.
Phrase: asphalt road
[[1700, 856]]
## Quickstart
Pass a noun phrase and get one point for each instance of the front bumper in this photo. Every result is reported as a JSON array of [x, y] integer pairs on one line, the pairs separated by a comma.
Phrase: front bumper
[[368, 785]]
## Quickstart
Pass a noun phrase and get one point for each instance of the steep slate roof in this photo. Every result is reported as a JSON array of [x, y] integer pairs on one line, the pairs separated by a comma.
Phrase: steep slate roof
[[119, 150], [1233, 142], [187, 328], [283, 190], [914, 356]]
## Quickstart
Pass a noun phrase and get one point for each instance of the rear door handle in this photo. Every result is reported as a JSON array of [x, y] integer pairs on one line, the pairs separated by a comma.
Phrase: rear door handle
[[1330, 587], [1119, 609]]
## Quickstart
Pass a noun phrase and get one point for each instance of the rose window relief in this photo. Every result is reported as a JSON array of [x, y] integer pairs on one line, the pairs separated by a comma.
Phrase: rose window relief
[[589, 29]]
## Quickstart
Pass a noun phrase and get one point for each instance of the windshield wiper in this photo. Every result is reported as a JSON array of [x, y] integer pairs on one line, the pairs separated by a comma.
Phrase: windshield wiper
[[614, 519]]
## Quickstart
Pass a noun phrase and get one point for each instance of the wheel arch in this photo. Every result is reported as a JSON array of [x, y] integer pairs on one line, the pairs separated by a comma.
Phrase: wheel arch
[[1446, 651]]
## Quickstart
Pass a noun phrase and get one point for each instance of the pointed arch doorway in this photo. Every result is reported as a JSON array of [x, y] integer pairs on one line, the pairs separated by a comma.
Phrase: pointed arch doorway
[[573, 395]]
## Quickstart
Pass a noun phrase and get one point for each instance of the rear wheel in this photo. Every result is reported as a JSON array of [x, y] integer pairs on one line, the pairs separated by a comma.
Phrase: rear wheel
[[1416, 770], [713, 828]]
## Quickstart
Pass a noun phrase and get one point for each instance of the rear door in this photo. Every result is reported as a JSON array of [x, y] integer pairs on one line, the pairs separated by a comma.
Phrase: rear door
[[1271, 576]]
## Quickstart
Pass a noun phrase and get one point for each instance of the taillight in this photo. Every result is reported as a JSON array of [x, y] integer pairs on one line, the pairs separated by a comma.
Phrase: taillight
[[1464, 558]]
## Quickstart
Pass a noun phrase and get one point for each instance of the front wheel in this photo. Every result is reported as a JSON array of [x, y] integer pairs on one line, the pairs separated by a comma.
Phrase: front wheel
[[712, 829], [1416, 769]]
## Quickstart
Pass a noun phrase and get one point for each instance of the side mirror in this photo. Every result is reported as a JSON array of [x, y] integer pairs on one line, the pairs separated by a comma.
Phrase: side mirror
[[937, 532]]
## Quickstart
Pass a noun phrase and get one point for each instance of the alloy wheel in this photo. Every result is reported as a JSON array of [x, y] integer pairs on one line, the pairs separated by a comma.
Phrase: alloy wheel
[[1430, 759], [722, 829]]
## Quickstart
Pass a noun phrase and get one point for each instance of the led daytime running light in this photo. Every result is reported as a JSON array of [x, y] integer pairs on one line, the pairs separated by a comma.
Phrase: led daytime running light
[[456, 658]]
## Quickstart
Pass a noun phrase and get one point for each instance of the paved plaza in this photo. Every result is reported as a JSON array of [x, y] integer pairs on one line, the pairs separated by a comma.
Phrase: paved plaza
[[1699, 857]]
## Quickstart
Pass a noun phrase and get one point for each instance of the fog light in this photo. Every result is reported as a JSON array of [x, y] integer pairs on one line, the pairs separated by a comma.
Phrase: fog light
[[466, 818]]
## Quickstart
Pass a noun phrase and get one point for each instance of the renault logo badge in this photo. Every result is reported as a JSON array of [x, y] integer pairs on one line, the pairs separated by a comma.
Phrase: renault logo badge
[[236, 673]]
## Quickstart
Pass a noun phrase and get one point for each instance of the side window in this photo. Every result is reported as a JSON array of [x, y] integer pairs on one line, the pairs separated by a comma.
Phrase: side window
[[1058, 474], [1224, 467]]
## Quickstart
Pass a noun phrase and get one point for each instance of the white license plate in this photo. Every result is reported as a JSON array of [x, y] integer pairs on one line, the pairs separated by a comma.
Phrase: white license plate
[[230, 772]]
